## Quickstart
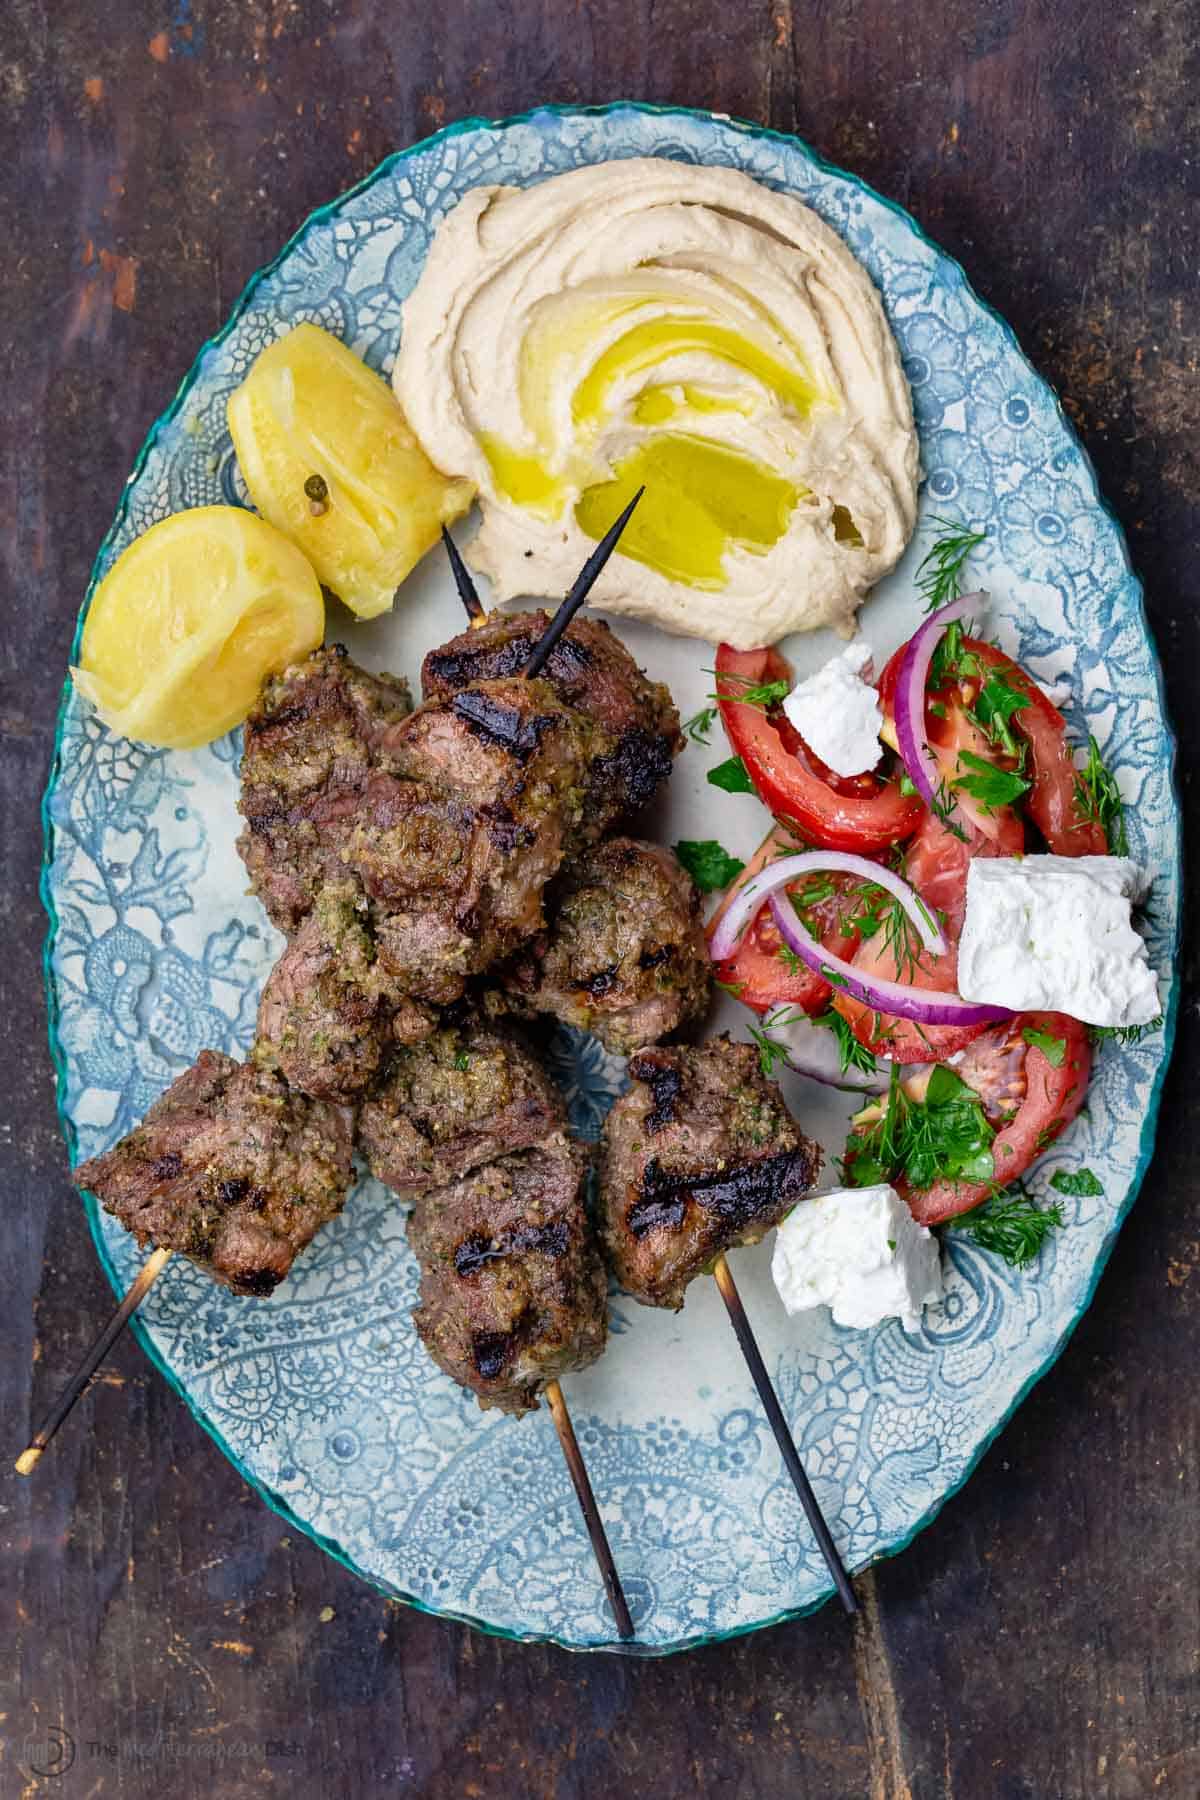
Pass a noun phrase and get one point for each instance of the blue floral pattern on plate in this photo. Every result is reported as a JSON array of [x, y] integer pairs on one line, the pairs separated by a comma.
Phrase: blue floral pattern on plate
[[322, 1395]]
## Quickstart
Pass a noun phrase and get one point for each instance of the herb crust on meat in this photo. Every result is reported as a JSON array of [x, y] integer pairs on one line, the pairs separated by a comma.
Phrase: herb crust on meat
[[700, 1155], [230, 1168]]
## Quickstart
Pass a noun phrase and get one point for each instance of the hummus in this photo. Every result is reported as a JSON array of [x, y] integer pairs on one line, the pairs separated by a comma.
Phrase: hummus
[[649, 323]]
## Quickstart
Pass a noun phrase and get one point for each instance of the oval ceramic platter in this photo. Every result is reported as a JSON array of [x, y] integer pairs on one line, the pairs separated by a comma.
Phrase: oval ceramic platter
[[322, 1395]]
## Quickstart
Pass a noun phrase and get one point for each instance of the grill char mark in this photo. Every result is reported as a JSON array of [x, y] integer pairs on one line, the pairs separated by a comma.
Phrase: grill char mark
[[496, 723], [738, 1196], [498, 662], [474, 1252], [665, 1082]]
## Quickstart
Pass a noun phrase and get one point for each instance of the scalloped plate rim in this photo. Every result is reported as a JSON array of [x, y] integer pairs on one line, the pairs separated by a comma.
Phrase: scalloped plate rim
[[1146, 1136]]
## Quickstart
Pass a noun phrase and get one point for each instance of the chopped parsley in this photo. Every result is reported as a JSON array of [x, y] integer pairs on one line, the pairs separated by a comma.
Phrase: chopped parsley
[[944, 1137], [709, 865], [995, 705], [731, 776], [791, 962], [989, 786], [852, 1054], [1098, 799], [1011, 1225], [952, 661], [939, 574], [700, 724], [1076, 1182], [1052, 1048], [462, 1061]]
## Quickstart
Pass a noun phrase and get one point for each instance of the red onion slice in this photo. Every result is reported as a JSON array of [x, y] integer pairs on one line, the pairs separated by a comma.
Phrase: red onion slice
[[812, 1050], [787, 869], [902, 1002], [912, 740]]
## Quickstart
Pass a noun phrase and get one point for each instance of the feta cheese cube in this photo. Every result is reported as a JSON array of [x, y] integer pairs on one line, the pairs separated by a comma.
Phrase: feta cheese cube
[[1054, 933], [837, 713], [860, 1252]]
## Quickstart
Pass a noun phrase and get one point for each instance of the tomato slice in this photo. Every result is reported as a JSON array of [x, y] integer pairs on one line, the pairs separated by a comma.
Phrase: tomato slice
[[1051, 802], [1046, 1100], [936, 865], [865, 813], [761, 976], [904, 1040]]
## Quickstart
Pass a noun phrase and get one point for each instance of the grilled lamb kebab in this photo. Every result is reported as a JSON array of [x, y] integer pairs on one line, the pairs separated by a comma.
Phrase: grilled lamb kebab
[[447, 822], [623, 955], [464, 1096], [699, 1156], [309, 749], [512, 1284], [454, 845], [513, 1290], [329, 1012], [231, 1168], [591, 671]]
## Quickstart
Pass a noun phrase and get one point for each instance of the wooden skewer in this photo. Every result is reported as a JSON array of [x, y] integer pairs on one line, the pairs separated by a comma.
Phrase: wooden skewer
[[467, 591], [582, 586], [555, 1400], [140, 1286], [723, 1276], [601, 1548], [585, 581]]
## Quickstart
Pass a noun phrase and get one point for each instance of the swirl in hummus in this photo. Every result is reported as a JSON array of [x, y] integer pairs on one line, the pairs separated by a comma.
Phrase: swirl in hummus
[[649, 322]]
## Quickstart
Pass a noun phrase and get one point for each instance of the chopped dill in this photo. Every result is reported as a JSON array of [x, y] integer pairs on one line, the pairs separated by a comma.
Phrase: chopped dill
[[939, 574], [1098, 799], [771, 1053], [698, 727], [851, 1053], [1011, 1225]]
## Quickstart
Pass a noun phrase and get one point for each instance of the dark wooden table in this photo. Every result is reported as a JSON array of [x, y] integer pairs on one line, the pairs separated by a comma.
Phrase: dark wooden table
[[1042, 1638]]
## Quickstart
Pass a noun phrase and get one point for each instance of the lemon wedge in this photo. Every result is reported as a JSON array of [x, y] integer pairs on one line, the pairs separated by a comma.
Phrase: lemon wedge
[[189, 622], [327, 455]]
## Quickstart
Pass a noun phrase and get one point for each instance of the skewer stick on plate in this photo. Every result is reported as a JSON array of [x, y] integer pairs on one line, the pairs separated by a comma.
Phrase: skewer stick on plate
[[721, 1270], [555, 1400], [585, 581], [577, 1469], [467, 591], [582, 586], [139, 1287], [723, 1275]]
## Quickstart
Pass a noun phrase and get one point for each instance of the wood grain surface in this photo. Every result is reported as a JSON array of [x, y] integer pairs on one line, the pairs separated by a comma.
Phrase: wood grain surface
[[1042, 1639]]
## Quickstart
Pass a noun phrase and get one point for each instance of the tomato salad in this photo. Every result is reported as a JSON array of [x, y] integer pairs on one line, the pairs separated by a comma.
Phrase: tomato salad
[[849, 914]]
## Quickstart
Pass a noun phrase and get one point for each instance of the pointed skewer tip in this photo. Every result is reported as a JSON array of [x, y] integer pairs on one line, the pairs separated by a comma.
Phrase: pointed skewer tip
[[584, 582], [748, 1345], [467, 591]]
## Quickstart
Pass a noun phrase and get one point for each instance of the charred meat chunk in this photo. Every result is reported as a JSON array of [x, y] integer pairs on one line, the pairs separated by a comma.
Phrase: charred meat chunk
[[513, 1291], [624, 954], [590, 670], [459, 1099], [455, 843], [308, 750], [701, 1154], [231, 1169], [325, 1016]]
